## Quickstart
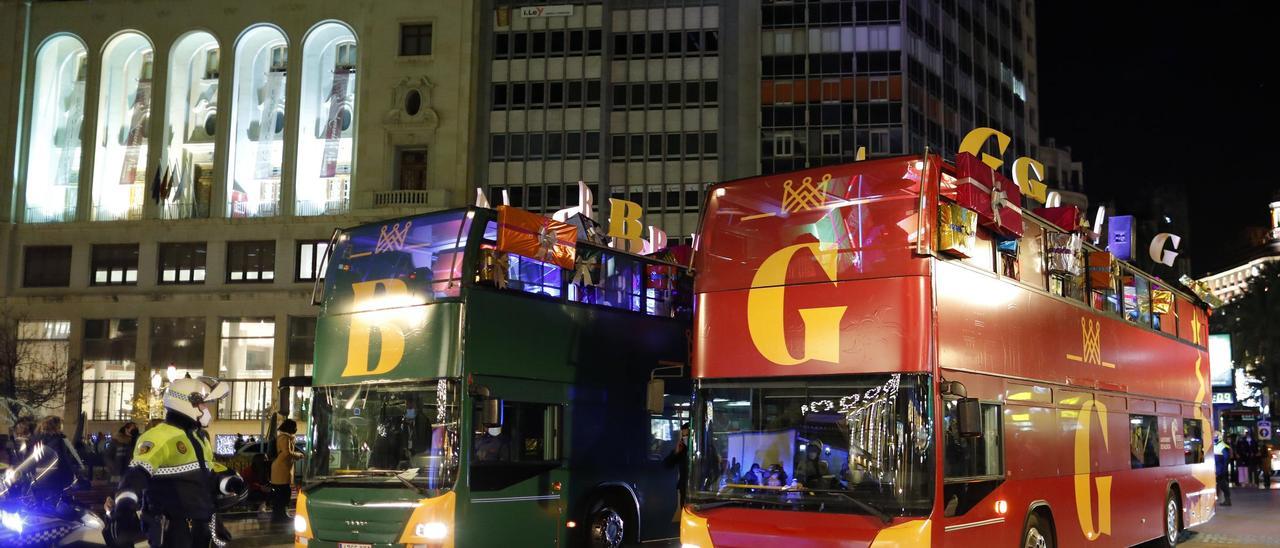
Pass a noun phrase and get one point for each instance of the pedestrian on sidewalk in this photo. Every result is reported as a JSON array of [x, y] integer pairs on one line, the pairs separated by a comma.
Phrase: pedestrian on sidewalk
[[282, 470], [1221, 458], [1265, 464], [124, 440]]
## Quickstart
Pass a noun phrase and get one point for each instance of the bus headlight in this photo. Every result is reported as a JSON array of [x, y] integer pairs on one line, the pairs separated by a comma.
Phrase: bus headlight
[[299, 524], [434, 530]]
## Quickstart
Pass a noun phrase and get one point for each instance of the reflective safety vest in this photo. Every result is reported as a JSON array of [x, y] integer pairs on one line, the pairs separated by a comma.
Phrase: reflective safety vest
[[181, 469]]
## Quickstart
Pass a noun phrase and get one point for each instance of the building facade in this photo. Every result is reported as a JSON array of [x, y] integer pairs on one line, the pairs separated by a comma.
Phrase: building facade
[[1232, 282], [651, 100], [173, 173]]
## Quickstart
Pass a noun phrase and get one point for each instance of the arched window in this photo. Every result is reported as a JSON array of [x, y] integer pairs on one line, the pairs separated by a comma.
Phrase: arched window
[[124, 111], [190, 130], [327, 120], [258, 121], [57, 116]]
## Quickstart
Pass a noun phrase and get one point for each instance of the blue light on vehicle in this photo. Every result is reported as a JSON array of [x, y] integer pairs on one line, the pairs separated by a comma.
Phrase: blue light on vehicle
[[11, 521]]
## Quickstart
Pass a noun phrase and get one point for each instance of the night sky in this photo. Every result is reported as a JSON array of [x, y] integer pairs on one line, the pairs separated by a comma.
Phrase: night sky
[[1172, 93]]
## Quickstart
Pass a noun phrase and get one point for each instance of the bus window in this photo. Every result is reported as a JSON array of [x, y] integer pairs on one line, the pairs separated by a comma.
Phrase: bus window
[[971, 457], [623, 282], [1103, 297], [1142, 442], [1031, 268], [526, 445], [1136, 298], [533, 276], [974, 466], [424, 253], [1162, 317], [665, 428], [1193, 440]]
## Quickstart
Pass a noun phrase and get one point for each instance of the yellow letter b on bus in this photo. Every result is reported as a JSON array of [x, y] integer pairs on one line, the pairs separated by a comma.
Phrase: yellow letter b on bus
[[380, 316]]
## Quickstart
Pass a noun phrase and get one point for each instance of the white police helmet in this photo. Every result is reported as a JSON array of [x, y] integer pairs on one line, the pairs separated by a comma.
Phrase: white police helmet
[[185, 396]]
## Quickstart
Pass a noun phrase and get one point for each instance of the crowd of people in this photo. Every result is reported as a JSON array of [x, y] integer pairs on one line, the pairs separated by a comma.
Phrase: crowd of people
[[269, 475]]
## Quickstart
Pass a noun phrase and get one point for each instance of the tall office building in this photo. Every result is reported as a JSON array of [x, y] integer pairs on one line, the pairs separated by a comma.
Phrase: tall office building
[[651, 100]]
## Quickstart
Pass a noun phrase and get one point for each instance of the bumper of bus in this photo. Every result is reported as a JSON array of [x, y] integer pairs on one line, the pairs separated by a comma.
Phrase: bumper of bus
[[699, 531], [431, 525]]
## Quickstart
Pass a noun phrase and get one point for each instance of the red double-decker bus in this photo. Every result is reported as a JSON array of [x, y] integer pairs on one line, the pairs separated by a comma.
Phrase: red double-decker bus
[[861, 382]]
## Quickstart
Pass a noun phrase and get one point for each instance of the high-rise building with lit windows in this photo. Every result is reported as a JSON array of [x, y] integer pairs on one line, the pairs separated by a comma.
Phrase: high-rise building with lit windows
[[674, 94], [173, 170]]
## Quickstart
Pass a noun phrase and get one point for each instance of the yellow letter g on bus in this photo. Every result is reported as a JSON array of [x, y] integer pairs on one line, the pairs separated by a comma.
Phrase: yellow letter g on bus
[[377, 315], [1083, 458], [766, 315]]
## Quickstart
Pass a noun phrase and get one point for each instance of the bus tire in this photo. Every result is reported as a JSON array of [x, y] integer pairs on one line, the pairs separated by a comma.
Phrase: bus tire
[[1172, 520], [1038, 533], [609, 523]]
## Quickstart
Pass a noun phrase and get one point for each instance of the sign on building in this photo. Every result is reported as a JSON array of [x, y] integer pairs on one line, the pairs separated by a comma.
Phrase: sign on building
[[533, 12]]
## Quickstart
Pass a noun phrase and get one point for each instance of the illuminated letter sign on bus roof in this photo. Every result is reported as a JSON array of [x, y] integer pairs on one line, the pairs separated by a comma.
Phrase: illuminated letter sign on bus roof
[[973, 141], [1028, 173], [766, 315]]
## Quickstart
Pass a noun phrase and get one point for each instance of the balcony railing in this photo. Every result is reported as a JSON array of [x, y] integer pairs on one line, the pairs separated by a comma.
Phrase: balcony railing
[[184, 210], [400, 198], [250, 399], [332, 207], [243, 209], [44, 215], [115, 213]]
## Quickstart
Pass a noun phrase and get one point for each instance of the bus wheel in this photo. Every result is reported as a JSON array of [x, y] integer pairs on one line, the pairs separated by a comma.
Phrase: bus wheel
[[1171, 518], [607, 527], [1037, 534]]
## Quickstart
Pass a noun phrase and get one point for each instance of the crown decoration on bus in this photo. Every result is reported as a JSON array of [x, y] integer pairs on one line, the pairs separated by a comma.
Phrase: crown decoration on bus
[[806, 195], [393, 239], [1090, 344]]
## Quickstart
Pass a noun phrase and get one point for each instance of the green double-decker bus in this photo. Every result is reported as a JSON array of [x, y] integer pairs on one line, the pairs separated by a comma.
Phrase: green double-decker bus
[[463, 396]]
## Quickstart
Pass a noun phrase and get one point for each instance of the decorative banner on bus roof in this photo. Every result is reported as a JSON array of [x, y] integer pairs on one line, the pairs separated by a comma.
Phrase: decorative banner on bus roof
[[536, 237]]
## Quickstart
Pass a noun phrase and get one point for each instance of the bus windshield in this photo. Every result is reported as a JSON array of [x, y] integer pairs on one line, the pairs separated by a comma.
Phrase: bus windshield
[[407, 429], [860, 444], [415, 260]]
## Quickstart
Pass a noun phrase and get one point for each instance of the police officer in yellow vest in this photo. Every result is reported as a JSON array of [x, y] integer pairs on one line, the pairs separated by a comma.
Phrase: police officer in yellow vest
[[172, 478]]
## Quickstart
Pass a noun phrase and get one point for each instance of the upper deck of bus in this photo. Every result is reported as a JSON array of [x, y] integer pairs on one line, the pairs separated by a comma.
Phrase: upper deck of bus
[[381, 278], [831, 271]]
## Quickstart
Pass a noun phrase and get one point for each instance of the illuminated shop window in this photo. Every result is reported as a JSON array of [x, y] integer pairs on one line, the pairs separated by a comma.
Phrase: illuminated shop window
[[190, 130], [53, 147], [177, 343], [108, 353], [258, 121], [124, 108], [246, 355], [326, 120], [43, 352]]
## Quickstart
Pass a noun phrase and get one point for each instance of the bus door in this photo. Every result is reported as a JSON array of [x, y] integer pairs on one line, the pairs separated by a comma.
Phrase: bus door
[[518, 478]]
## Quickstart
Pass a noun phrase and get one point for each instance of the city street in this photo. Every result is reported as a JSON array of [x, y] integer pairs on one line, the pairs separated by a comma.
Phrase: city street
[[677, 273], [1249, 521]]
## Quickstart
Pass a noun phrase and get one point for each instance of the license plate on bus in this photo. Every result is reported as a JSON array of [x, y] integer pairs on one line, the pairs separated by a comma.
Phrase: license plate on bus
[[354, 545]]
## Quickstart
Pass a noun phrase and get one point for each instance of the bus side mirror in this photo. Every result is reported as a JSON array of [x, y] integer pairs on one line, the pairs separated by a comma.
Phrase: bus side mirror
[[655, 400], [492, 414], [969, 417]]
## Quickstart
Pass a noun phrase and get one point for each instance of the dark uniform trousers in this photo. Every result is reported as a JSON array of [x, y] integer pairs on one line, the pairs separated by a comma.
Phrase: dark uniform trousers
[[165, 532]]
